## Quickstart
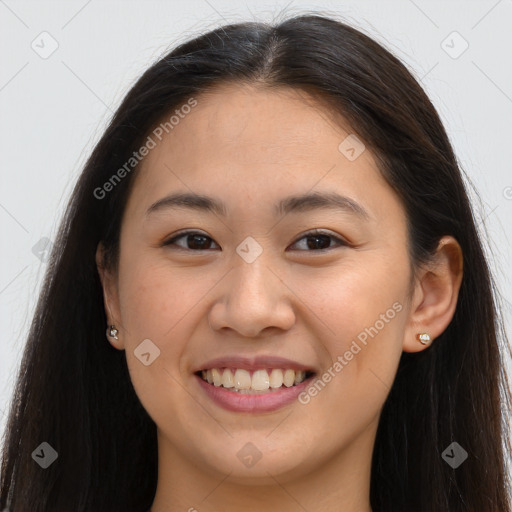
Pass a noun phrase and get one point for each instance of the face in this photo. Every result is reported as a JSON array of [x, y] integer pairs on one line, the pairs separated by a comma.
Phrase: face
[[249, 284]]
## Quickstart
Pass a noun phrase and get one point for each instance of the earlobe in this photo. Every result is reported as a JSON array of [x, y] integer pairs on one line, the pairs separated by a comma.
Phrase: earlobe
[[110, 298], [435, 296]]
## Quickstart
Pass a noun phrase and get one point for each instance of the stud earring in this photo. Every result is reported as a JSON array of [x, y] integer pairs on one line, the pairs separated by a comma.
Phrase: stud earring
[[112, 332], [423, 338]]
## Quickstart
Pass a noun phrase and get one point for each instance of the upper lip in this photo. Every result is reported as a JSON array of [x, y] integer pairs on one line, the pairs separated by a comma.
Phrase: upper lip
[[252, 363]]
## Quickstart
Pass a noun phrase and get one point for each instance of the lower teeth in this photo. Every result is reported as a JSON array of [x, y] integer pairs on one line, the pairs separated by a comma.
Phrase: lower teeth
[[253, 391]]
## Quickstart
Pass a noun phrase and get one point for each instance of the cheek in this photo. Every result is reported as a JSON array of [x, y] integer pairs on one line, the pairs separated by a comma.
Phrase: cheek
[[156, 302], [360, 315], [154, 296], [162, 303], [351, 296]]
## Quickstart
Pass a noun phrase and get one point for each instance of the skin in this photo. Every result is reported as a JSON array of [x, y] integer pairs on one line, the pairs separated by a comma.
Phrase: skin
[[251, 146]]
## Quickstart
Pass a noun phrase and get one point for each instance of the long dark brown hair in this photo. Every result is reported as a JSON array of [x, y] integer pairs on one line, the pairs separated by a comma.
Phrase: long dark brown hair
[[73, 390]]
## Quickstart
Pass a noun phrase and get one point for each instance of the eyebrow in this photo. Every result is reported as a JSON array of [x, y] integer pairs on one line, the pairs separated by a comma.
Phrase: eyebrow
[[301, 203]]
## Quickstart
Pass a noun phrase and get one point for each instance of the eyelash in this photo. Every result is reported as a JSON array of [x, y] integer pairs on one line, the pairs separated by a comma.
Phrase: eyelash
[[312, 233]]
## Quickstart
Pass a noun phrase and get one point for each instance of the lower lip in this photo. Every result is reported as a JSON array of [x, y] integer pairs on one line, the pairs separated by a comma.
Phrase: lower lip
[[238, 402]]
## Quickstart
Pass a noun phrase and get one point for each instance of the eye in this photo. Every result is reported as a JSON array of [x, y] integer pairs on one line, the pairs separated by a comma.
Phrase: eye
[[320, 238], [196, 241]]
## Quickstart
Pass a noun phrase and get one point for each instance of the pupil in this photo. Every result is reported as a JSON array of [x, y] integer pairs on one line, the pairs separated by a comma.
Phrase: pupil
[[194, 238], [316, 238]]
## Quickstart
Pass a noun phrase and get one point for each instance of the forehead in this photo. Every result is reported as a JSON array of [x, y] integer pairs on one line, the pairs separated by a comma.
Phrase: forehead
[[254, 145], [268, 120]]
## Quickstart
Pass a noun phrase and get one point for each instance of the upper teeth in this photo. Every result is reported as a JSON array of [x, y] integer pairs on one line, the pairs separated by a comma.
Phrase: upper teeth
[[261, 380]]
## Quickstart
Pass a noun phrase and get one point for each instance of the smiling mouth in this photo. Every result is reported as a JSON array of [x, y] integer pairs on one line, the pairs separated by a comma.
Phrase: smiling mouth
[[254, 382]]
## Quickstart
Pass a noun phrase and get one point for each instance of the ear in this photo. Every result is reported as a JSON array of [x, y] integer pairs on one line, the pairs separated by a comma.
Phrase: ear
[[435, 295], [110, 296]]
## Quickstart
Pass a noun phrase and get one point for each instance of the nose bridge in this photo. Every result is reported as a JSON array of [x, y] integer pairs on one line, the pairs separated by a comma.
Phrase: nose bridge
[[253, 298], [253, 283], [251, 277]]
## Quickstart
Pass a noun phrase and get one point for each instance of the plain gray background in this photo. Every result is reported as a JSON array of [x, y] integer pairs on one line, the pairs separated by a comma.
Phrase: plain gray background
[[53, 109]]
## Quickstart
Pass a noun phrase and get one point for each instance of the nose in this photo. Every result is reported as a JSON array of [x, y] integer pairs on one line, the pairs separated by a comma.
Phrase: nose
[[252, 300]]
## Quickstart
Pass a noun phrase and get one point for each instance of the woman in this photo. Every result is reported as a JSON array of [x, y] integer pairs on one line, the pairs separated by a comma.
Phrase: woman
[[276, 237]]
